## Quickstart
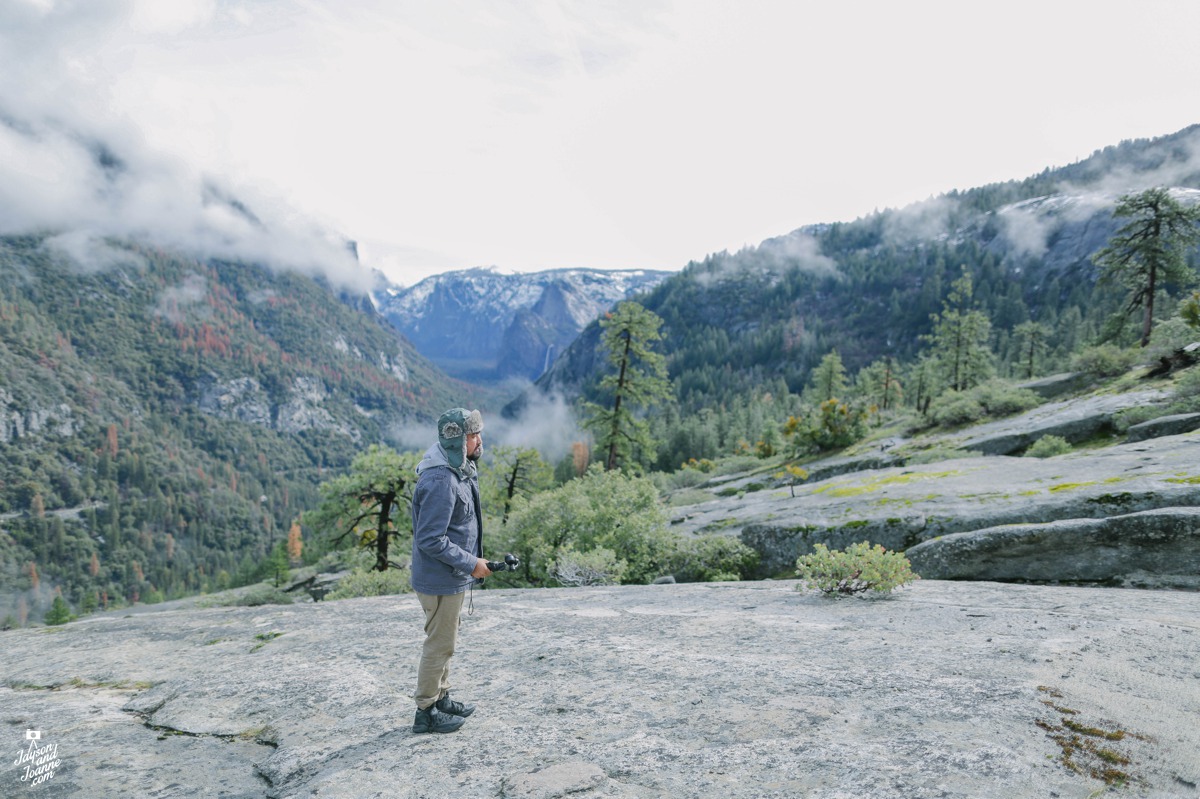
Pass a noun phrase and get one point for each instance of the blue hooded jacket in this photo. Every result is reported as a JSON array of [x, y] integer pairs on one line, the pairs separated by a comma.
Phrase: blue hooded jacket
[[447, 524]]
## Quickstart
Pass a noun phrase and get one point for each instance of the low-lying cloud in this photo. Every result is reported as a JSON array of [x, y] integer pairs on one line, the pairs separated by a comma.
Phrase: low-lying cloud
[[70, 169]]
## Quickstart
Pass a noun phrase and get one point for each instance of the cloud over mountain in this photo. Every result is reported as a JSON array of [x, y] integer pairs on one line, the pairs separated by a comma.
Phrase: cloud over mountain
[[73, 167]]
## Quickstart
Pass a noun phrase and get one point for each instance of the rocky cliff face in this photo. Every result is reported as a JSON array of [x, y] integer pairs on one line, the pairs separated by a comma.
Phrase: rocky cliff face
[[744, 690], [480, 324]]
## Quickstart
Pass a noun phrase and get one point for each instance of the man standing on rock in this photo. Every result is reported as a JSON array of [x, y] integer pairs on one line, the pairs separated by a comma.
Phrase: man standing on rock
[[447, 558]]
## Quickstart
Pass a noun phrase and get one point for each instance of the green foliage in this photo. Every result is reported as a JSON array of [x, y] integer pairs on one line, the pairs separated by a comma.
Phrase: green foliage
[[598, 566], [994, 399], [513, 472], [368, 507], [1189, 310], [859, 568], [831, 425], [878, 383], [1104, 360], [371, 582], [960, 338], [638, 380], [612, 526], [1048, 446], [59, 613], [149, 483], [1168, 336], [608, 510], [1149, 250], [712, 558], [828, 381], [1187, 386], [1032, 341]]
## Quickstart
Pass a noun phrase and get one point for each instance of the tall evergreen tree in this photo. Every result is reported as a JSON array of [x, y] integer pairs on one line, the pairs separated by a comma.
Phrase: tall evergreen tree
[[1149, 249], [960, 338], [638, 380], [828, 380], [1032, 338]]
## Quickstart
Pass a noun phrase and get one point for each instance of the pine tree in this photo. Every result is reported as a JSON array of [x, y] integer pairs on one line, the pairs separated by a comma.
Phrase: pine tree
[[828, 380], [640, 380], [368, 505], [960, 338], [59, 613], [516, 471], [1150, 249], [1032, 338]]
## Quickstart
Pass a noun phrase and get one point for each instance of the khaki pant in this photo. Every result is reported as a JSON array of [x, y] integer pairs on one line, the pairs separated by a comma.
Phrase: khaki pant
[[441, 635]]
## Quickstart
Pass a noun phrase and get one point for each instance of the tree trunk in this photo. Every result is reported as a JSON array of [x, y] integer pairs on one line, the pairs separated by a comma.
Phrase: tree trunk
[[381, 532], [613, 432]]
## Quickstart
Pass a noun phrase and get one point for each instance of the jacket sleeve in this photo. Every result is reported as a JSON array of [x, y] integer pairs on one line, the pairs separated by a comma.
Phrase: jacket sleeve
[[434, 501]]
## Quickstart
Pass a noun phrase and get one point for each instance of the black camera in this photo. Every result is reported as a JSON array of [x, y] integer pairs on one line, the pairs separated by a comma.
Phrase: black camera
[[509, 564]]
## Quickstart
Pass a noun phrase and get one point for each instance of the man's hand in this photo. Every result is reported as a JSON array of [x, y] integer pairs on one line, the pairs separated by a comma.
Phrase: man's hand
[[481, 569]]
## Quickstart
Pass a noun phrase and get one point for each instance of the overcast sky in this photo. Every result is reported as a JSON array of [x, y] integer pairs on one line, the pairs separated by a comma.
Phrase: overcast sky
[[535, 134]]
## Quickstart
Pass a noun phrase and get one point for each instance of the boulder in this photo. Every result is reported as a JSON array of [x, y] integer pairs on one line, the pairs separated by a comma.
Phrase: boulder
[[1157, 547], [1075, 420], [1164, 426], [1057, 385]]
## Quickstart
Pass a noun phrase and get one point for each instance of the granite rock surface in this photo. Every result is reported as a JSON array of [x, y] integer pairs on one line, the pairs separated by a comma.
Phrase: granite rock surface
[[940, 689]]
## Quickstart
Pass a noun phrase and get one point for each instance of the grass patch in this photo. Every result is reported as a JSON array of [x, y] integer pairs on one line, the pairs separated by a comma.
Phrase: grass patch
[[263, 638], [1084, 748], [853, 490], [1070, 486]]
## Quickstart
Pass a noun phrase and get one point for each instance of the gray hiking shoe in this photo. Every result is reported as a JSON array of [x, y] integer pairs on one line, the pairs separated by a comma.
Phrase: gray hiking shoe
[[448, 705], [433, 720]]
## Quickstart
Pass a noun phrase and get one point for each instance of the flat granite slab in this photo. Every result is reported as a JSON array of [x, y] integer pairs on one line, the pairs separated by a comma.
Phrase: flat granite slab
[[746, 689]]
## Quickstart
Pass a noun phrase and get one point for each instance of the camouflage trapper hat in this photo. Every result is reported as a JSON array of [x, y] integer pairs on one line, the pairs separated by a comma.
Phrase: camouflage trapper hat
[[453, 428]]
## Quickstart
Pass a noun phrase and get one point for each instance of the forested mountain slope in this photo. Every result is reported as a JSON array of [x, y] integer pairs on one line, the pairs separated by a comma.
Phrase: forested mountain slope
[[763, 317], [163, 420]]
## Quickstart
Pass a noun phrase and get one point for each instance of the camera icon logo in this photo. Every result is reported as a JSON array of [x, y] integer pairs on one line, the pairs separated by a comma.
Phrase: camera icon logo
[[33, 735]]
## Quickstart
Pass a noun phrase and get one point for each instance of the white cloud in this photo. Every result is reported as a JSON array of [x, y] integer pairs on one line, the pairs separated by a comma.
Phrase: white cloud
[[71, 169]]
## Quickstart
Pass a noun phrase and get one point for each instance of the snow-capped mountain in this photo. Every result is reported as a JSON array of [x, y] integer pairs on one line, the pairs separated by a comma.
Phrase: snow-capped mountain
[[483, 325]]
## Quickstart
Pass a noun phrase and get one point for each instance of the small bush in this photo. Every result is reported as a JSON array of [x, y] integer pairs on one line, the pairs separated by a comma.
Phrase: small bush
[[1186, 396], [596, 567], [954, 408], [1105, 360], [1001, 398], [860, 568], [1048, 447], [713, 558], [372, 583], [995, 398]]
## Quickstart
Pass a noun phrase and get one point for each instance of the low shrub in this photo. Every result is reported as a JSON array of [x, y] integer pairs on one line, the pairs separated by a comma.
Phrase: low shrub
[[712, 558], [995, 398], [371, 583], [859, 568], [598, 566], [1105, 360], [1048, 447], [954, 408]]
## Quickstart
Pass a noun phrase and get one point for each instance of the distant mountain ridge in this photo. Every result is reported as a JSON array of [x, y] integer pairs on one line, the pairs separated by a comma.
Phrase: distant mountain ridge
[[483, 325], [737, 323]]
